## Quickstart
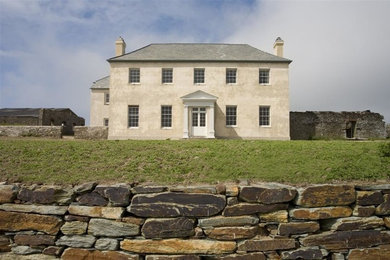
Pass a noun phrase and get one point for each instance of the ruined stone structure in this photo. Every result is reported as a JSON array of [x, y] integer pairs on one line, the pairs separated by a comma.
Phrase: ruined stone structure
[[41, 117], [261, 221], [336, 125]]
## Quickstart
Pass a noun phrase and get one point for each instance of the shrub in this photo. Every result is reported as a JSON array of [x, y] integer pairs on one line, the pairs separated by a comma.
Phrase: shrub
[[384, 149]]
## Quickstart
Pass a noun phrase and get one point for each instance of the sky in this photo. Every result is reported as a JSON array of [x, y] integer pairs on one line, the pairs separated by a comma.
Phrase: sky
[[51, 51]]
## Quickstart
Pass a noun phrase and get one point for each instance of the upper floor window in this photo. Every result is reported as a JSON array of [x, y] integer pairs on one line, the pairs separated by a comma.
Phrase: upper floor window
[[231, 115], [198, 76], [231, 76], [134, 75], [167, 75], [264, 76], [166, 116], [106, 98], [264, 116], [133, 116]]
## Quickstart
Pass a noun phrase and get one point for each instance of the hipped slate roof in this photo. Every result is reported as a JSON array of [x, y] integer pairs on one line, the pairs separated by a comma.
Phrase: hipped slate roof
[[199, 52], [103, 83]]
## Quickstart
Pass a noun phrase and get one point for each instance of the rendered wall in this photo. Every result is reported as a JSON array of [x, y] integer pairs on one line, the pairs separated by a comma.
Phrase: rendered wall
[[99, 110], [262, 221]]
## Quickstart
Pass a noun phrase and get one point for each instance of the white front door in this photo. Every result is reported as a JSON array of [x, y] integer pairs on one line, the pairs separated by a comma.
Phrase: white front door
[[198, 122]]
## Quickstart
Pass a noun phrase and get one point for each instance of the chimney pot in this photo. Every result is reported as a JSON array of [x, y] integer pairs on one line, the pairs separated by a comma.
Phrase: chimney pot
[[120, 47]]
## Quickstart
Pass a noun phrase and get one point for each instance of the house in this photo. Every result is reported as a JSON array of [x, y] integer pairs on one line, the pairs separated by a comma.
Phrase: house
[[179, 91], [41, 117]]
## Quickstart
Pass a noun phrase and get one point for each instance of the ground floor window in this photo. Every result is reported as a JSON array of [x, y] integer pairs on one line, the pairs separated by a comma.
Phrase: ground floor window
[[133, 116], [264, 115], [231, 115], [166, 116], [105, 121]]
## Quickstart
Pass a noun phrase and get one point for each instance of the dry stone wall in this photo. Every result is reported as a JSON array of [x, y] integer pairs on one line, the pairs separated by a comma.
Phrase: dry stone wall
[[31, 131], [262, 221], [91, 132]]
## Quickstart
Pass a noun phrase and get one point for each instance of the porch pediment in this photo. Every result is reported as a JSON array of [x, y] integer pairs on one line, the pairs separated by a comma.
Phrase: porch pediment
[[199, 96]]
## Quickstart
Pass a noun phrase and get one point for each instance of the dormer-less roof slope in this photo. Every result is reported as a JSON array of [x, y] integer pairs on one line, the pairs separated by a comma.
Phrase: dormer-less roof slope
[[199, 52], [103, 83]]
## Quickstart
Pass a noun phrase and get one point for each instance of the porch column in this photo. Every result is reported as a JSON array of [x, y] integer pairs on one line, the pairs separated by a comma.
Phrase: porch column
[[210, 128], [185, 122]]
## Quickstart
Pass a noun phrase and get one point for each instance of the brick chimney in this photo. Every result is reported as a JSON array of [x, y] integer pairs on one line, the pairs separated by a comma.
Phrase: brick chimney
[[278, 47], [120, 47]]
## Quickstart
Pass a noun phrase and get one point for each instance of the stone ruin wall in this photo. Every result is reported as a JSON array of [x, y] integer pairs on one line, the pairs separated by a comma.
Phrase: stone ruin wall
[[262, 221], [31, 131]]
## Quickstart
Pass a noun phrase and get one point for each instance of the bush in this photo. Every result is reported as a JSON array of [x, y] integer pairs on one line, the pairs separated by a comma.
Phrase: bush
[[384, 149]]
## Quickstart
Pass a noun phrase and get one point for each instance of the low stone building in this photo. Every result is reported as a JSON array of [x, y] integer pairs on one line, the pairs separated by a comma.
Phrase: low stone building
[[336, 125], [41, 117]]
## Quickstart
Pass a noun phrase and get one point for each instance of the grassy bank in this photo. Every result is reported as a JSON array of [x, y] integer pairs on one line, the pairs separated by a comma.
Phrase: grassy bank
[[191, 161]]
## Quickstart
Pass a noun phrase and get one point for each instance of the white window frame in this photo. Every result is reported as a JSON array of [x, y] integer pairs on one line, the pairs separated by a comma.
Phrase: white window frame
[[235, 76], [204, 76], [163, 76], [269, 116], [162, 117], [106, 98], [132, 115], [139, 76], [269, 76], [227, 116]]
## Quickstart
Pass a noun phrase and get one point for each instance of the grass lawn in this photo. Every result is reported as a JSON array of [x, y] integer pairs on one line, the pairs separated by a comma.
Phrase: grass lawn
[[190, 161]]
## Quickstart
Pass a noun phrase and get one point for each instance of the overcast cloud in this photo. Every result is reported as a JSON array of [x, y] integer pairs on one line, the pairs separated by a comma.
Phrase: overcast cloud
[[52, 51]]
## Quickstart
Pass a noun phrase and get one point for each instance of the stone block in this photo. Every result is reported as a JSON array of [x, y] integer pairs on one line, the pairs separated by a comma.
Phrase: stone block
[[194, 189], [326, 195], [251, 208], [232, 190], [353, 223], [92, 199], [118, 195], [232, 233], [84, 188], [76, 218], [295, 228], [249, 256], [46, 195], [366, 198], [221, 221], [25, 250], [320, 213], [106, 244], [133, 220], [14, 221], [178, 246], [231, 201], [172, 204], [40, 209], [34, 240], [96, 211], [53, 250], [172, 257], [76, 241], [35, 256], [266, 244], [8, 193], [168, 228], [363, 211], [148, 189], [78, 253], [74, 228], [267, 193], [369, 254], [280, 216], [111, 228], [384, 208], [305, 253], [5, 244], [386, 220]]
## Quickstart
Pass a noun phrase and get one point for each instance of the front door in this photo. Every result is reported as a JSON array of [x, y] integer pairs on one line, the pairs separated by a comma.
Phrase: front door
[[198, 127]]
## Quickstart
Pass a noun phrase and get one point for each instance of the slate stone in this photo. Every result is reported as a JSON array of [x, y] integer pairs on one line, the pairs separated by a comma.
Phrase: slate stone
[[111, 228], [46, 195], [5, 244], [76, 241], [384, 208], [53, 250], [96, 211], [363, 211], [386, 220], [14, 221], [305, 253], [267, 194], [34, 240], [78, 253], [178, 246], [40, 209], [106, 244], [221, 221], [172, 257], [168, 228], [369, 254], [294, 228], [148, 189], [249, 256], [74, 228], [353, 223], [320, 213], [232, 201], [118, 196], [194, 189], [347, 239], [249, 209], [8, 193], [133, 220], [173, 204], [366, 198], [232, 233], [382, 187], [25, 250], [84, 188], [326, 195], [76, 218], [280, 216], [92, 199], [266, 244]]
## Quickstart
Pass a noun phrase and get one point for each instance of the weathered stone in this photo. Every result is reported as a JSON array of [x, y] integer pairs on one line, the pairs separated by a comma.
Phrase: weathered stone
[[74, 228], [232, 233], [5, 244], [194, 189], [85, 254], [295, 228], [133, 220], [353, 223], [148, 189], [118, 196], [384, 208], [173, 204], [172, 257], [8, 193], [111, 228], [272, 229], [305, 253], [386, 220], [221, 221], [198, 233], [337, 256], [24, 250], [248, 209], [249, 256], [363, 211], [106, 244], [34, 240], [178, 246], [76, 218], [267, 194], [53, 250], [41, 209], [98, 212], [76, 241], [326, 195], [13, 221], [232, 190], [266, 244], [92, 199], [320, 213], [46, 195], [366, 198], [369, 254], [168, 228], [12, 256], [272, 255], [231, 201], [373, 187], [347, 239], [280, 216], [84, 188], [220, 188]]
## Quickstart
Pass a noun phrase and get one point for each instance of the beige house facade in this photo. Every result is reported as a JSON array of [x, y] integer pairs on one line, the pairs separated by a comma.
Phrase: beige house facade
[[185, 91]]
